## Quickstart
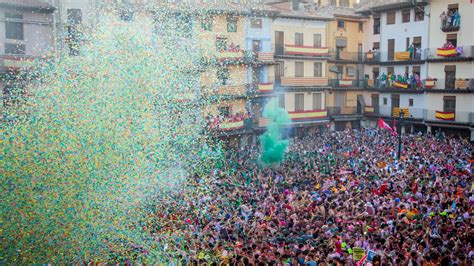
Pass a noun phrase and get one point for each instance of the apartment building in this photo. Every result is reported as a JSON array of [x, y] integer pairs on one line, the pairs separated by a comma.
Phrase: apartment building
[[26, 34], [301, 55], [449, 98], [345, 39]]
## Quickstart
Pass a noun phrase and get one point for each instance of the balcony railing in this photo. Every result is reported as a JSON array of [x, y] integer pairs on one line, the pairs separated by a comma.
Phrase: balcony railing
[[348, 83], [303, 81], [336, 111], [372, 56], [227, 90], [265, 56], [449, 84], [301, 50], [347, 56], [229, 55], [265, 87], [440, 115], [451, 26], [15, 62], [302, 116], [459, 52]]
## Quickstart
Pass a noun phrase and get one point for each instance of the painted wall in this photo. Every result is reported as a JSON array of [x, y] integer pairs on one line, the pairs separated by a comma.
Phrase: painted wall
[[37, 32], [416, 111], [350, 32], [308, 67], [464, 105], [292, 26], [466, 10], [308, 100]]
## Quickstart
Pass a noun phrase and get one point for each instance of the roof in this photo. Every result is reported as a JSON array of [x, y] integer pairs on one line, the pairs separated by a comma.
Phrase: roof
[[344, 12], [34, 5], [285, 10], [379, 6]]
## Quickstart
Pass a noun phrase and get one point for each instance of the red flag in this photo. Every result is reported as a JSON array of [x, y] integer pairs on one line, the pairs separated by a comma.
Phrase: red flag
[[395, 127], [383, 124]]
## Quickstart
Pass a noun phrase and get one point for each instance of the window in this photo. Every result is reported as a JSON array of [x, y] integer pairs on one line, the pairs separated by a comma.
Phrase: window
[[452, 38], [407, 71], [449, 104], [390, 70], [391, 48], [256, 45], [206, 23], [384, 101], [419, 14], [376, 46], [340, 24], [344, 3], [281, 101], [361, 27], [280, 69], [376, 25], [221, 44], [406, 16], [11, 48], [223, 76], [410, 102], [14, 26], [317, 101], [391, 18], [317, 40], [299, 39], [256, 23], [416, 70], [74, 16], [407, 43], [224, 111], [231, 24], [318, 69], [299, 102], [299, 69], [450, 76]]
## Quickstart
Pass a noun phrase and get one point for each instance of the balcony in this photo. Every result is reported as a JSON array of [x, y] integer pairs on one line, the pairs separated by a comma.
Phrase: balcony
[[448, 117], [303, 81], [449, 27], [265, 56], [348, 83], [396, 58], [346, 56], [265, 87], [15, 62], [301, 50], [342, 111], [230, 55], [308, 116], [443, 54], [372, 56], [231, 125], [371, 110], [449, 84], [230, 91]]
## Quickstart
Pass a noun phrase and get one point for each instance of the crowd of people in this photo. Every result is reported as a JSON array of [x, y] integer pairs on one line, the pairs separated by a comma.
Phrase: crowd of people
[[413, 80], [333, 194]]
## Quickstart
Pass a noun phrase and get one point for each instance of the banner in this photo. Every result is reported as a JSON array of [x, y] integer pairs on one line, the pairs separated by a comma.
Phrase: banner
[[446, 52], [359, 253]]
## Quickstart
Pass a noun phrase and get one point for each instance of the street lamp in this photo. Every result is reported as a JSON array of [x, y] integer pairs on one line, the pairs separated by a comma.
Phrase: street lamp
[[400, 116]]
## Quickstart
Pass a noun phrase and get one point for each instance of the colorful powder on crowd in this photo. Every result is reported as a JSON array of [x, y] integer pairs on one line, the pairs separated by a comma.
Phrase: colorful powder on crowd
[[273, 143], [98, 135]]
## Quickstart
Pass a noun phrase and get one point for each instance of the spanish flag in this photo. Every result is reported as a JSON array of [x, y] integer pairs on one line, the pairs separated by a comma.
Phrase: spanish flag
[[446, 52], [399, 84], [444, 115]]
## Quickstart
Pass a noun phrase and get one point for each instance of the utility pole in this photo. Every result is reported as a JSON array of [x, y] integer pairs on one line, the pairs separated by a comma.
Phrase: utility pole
[[400, 125]]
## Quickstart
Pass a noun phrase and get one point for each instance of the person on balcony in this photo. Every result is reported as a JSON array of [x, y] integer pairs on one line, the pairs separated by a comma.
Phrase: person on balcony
[[456, 19], [411, 49], [383, 79], [450, 18], [444, 19]]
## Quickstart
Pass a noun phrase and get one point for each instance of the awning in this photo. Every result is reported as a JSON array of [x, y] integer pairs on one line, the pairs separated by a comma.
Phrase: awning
[[341, 42]]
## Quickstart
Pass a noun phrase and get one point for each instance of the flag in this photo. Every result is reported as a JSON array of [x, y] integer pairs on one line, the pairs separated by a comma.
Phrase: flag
[[361, 261], [445, 115], [383, 124], [395, 126]]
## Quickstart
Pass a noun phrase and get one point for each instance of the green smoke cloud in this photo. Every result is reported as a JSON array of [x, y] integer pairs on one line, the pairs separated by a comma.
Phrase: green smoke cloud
[[273, 144]]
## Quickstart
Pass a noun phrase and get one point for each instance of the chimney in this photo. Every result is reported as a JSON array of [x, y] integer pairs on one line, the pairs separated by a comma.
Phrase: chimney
[[296, 4]]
